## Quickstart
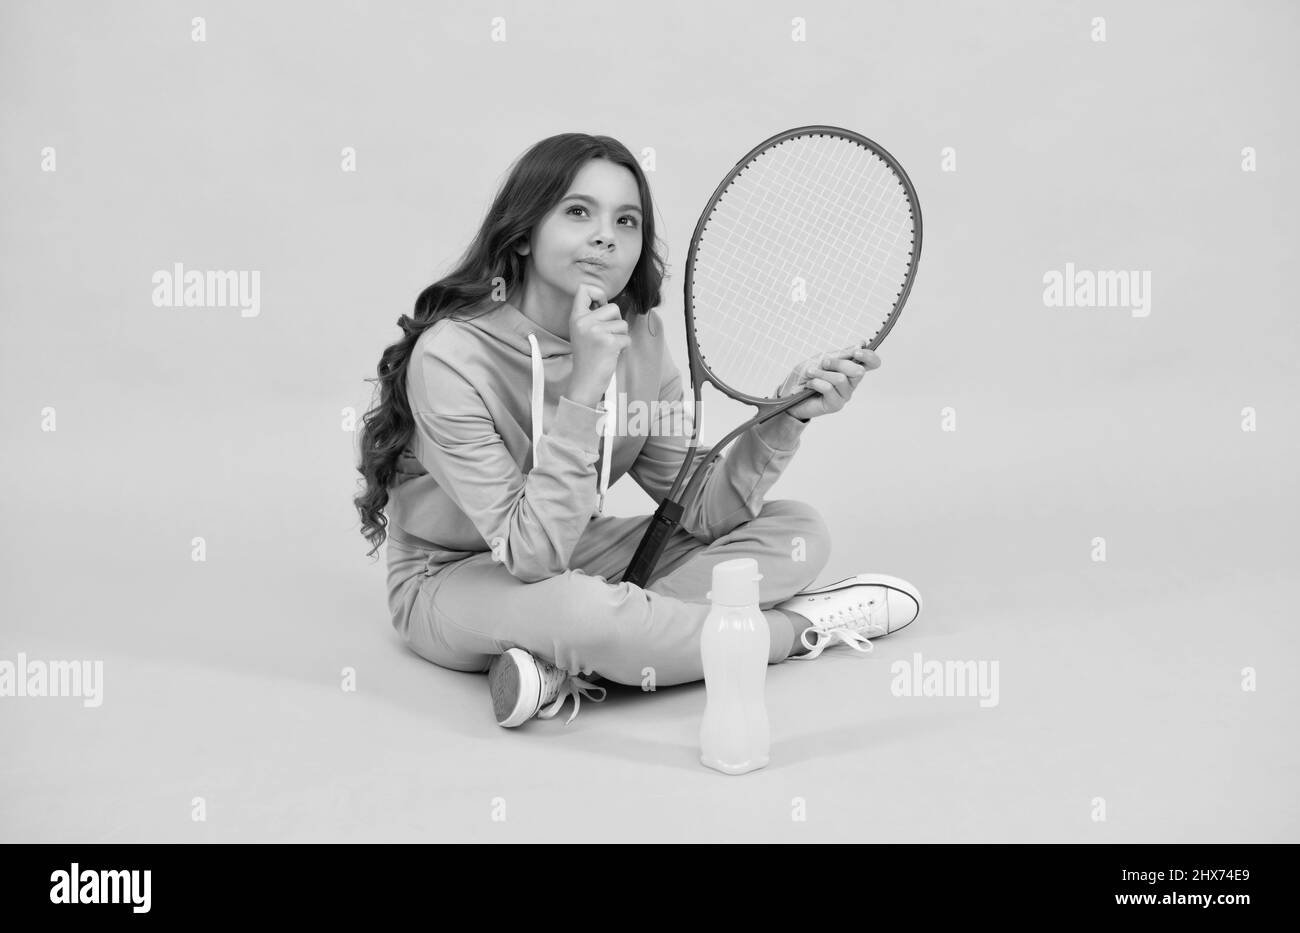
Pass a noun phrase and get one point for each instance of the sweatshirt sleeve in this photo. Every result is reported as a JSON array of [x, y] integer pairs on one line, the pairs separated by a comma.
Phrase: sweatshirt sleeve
[[737, 481], [537, 517]]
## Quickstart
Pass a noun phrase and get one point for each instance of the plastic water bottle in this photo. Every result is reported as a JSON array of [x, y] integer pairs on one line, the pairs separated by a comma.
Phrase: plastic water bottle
[[734, 646]]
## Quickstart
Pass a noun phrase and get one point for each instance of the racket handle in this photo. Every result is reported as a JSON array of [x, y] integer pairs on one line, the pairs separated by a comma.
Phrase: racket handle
[[666, 519]]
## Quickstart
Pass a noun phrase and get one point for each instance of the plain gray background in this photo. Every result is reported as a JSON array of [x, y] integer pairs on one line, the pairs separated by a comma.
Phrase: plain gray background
[[1119, 680]]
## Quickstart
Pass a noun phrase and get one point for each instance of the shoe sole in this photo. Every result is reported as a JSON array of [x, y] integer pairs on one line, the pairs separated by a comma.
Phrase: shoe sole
[[878, 579], [516, 688]]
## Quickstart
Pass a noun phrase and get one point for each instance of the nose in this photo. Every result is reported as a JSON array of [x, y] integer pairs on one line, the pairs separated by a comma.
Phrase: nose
[[604, 236]]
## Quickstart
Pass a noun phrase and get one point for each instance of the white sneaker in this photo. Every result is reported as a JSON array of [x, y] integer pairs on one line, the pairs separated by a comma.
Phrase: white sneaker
[[854, 610], [521, 685]]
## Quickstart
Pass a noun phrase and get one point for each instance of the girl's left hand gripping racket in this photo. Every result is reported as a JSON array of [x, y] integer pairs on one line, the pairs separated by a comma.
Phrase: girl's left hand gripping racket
[[811, 242]]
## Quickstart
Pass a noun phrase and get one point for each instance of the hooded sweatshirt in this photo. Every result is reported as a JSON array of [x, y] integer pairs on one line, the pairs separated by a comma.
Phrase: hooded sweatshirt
[[500, 453]]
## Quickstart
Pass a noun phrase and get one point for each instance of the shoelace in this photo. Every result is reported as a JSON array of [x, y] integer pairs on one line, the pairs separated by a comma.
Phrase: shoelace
[[573, 686], [849, 633]]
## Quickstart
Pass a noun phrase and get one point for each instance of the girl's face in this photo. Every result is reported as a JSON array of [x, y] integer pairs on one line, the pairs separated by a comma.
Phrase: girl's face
[[598, 218]]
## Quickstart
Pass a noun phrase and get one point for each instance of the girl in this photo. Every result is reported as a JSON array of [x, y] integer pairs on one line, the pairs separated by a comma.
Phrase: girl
[[488, 457]]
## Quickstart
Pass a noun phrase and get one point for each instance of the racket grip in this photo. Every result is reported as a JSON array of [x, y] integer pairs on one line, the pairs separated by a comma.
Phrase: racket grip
[[666, 519]]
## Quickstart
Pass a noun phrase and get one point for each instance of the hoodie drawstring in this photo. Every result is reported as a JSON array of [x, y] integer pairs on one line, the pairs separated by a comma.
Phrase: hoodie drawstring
[[539, 386], [607, 452], [611, 396]]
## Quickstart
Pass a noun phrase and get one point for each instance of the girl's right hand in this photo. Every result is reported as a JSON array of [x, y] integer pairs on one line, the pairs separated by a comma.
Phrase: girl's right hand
[[598, 336]]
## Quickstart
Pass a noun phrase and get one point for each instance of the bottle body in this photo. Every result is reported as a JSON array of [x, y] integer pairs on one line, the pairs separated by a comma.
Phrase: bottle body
[[734, 735]]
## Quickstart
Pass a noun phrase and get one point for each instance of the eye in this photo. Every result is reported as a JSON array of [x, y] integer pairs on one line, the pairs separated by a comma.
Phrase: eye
[[633, 225]]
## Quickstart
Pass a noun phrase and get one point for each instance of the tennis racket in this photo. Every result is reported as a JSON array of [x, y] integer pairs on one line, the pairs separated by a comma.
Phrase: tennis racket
[[810, 242]]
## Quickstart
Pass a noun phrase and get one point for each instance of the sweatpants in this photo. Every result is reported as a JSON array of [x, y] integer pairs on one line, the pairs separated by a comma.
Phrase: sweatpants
[[463, 614]]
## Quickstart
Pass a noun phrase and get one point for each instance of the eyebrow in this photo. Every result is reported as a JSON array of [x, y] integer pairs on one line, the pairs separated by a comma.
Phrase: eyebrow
[[590, 200]]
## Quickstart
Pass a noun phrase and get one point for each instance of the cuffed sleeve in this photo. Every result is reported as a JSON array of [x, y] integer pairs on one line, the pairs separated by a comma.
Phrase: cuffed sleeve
[[533, 521], [738, 480], [781, 432]]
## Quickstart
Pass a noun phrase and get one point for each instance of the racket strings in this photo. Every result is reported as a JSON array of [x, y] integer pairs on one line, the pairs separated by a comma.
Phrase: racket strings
[[807, 250]]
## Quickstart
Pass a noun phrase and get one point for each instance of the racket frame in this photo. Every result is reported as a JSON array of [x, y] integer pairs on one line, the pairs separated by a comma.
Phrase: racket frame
[[668, 515]]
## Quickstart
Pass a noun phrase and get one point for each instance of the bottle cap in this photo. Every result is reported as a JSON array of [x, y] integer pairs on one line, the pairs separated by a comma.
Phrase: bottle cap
[[735, 582]]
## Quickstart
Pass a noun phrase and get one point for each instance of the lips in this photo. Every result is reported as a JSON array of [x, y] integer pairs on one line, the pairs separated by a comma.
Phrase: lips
[[593, 263]]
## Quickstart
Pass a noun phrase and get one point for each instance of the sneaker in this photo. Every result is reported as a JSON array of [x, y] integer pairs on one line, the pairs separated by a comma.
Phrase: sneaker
[[853, 611], [521, 685]]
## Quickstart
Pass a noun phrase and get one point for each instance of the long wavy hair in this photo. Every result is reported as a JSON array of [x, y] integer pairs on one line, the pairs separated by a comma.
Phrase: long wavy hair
[[536, 183]]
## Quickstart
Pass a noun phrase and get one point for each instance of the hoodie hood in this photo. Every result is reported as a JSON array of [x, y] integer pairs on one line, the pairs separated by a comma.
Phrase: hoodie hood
[[512, 327]]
